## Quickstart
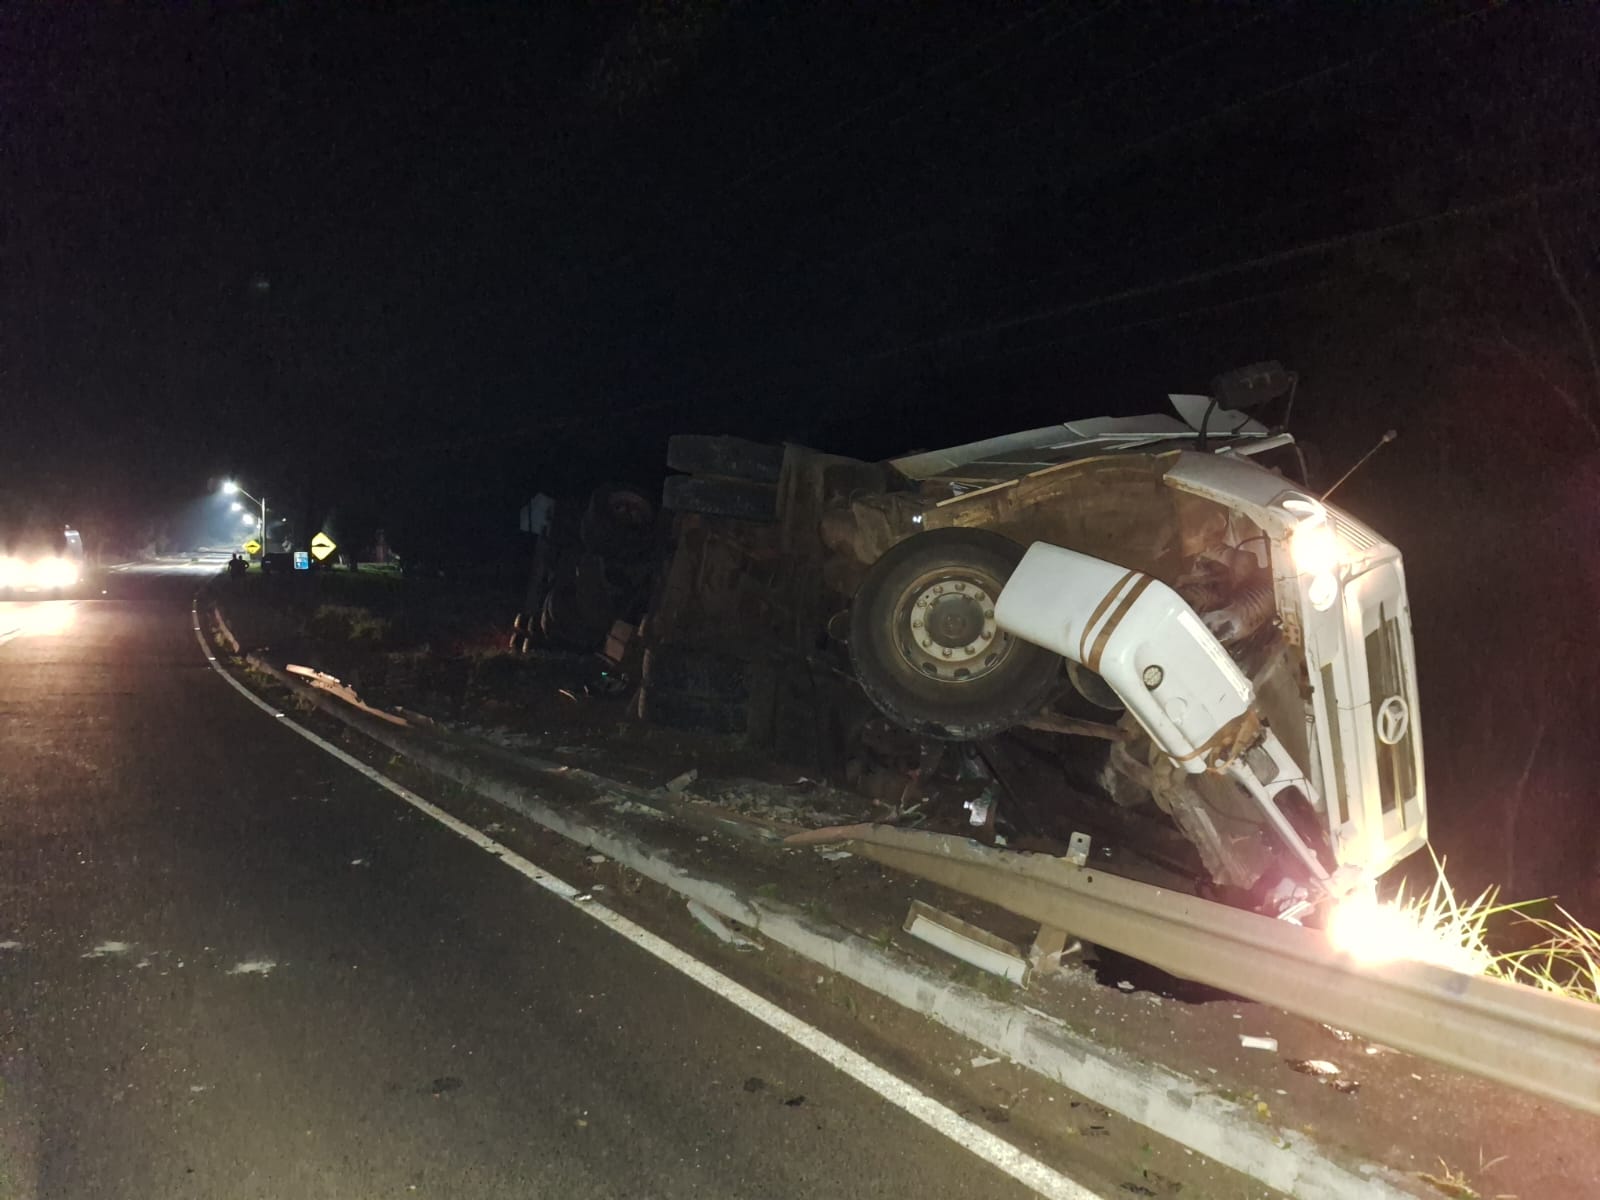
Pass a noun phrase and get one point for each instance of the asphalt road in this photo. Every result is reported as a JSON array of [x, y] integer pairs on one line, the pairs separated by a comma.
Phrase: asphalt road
[[232, 967]]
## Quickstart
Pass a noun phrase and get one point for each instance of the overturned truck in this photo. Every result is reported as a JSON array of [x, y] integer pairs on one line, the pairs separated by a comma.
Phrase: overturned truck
[[1163, 594]]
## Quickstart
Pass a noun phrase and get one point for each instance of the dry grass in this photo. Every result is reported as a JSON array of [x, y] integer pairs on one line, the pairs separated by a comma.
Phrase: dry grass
[[1559, 954]]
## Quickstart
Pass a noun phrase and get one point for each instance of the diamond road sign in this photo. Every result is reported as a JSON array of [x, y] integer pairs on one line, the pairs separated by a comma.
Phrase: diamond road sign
[[252, 547], [322, 545]]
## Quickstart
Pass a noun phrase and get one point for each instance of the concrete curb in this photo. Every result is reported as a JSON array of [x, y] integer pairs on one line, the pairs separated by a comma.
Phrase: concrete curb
[[1165, 1102]]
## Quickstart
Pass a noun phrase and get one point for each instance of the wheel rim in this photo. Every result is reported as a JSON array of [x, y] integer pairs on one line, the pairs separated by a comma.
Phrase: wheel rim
[[945, 629]]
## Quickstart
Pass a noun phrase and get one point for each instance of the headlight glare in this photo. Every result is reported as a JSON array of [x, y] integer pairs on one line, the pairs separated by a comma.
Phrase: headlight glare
[[1324, 590], [1315, 548]]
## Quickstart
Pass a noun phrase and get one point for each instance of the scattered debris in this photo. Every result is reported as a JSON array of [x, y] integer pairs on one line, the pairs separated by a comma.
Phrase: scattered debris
[[197, 1088], [105, 949], [10, 944], [1451, 1183], [1078, 850], [966, 941], [360, 862], [446, 1083], [1343, 1035], [252, 966], [983, 1060], [678, 783], [835, 855], [794, 1101], [596, 859], [1326, 1072], [1258, 1043], [1124, 985], [718, 928], [1312, 1066]]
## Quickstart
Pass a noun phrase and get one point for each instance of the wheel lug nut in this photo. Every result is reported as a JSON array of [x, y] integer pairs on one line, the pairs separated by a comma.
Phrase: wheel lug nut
[[947, 651]]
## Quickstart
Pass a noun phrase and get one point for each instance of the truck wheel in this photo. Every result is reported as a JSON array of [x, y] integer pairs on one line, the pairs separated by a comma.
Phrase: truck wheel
[[1093, 688], [925, 646], [578, 610], [724, 457], [617, 523], [720, 498]]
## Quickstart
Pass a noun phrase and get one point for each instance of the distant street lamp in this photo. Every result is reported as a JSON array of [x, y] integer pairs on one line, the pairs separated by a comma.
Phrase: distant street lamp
[[229, 488]]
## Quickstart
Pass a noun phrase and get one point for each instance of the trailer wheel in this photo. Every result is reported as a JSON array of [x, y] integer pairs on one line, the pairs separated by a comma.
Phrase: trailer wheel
[[618, 523], [925, 646], [578, 609]]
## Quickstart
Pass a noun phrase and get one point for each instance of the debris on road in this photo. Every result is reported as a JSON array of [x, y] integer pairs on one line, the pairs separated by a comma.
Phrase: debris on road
[[105, 949], [676, 785], [1258, 1043], [1319, 1067], [253, 966], [966, 941], [718, 927]]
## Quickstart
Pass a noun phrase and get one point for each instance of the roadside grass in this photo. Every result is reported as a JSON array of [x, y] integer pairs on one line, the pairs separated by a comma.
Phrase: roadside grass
[[1554, 953]]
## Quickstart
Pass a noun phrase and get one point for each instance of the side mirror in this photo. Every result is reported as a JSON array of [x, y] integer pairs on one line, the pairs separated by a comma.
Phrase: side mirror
[[1252, 386]]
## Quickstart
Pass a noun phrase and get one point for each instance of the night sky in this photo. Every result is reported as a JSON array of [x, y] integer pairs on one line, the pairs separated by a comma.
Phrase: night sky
[[396, 249], [410, 263]]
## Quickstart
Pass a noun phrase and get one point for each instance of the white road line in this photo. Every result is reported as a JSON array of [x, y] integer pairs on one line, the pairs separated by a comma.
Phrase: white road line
[[1022, 1167]]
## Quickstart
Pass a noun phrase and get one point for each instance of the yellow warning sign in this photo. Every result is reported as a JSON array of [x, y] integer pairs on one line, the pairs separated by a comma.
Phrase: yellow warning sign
[[322, 545], [252, 547]]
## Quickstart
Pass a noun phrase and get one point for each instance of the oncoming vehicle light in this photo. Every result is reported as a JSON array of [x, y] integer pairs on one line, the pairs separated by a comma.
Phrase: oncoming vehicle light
[[57, 573]]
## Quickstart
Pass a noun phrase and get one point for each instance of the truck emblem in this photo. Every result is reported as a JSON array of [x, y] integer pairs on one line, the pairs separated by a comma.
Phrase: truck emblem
[[1394, 718]]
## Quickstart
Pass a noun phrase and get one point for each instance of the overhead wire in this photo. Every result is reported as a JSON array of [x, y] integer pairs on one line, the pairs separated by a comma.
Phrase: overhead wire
[[1258, 262], [872, 106], [1309, 249], [808, 257]]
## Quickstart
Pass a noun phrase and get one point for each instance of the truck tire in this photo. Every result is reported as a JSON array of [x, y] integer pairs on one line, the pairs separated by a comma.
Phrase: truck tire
[[695, 714], [578, 609], [618, 523], [925, 646], [720, 498], [696, 672], [724, 457]]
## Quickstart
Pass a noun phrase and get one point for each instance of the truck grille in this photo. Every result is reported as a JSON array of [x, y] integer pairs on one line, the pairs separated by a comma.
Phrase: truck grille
[[1386, 677]]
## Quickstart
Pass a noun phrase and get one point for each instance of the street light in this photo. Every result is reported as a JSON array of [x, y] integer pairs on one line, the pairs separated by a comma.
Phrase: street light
[[229, 488]]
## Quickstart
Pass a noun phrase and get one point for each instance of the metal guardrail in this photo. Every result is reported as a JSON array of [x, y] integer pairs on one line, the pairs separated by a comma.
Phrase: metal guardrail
[[1537, 1041]]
